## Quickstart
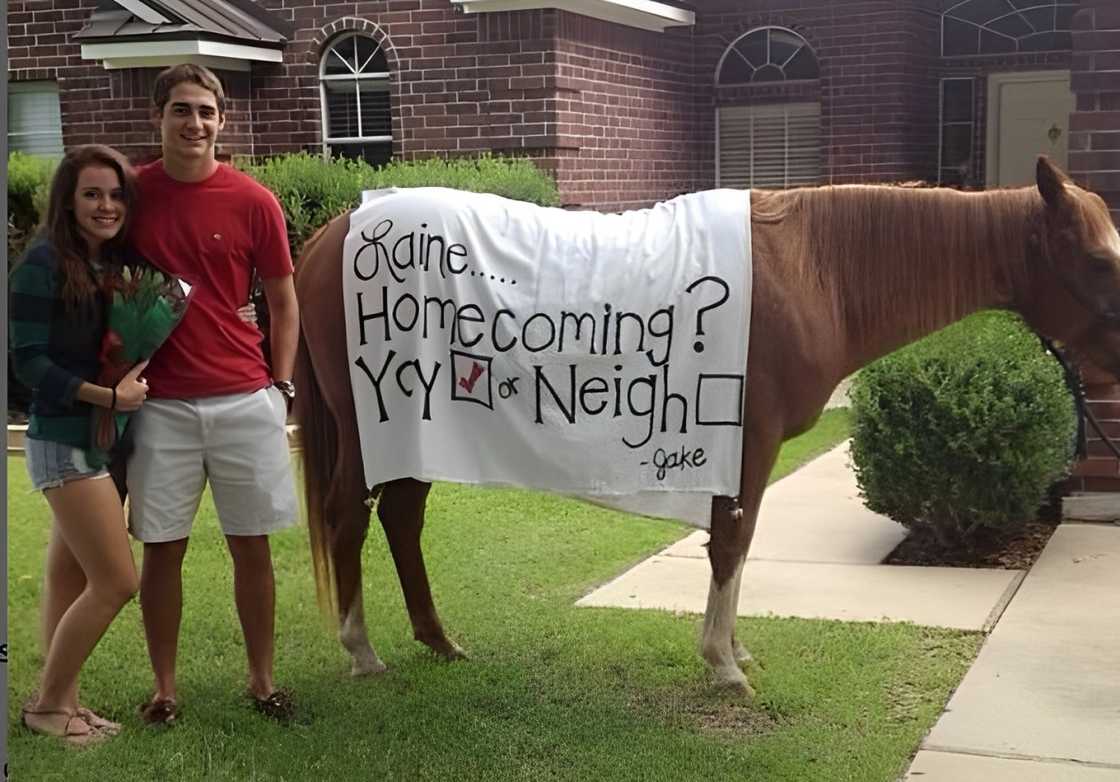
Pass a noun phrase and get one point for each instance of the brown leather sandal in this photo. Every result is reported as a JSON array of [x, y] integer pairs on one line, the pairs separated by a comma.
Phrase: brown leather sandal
[[91, 718], [161, 711], [73, 737], [97, 722]]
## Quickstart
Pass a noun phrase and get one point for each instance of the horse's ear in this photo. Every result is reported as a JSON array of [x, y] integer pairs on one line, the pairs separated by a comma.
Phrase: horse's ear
[[1051, 182]]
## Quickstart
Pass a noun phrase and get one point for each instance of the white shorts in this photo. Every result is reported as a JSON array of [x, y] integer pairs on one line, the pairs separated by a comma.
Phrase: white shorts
[[236, 442]]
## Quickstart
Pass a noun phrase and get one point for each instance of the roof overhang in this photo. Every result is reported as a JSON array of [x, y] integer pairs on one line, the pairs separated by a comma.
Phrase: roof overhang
[[223, 34], [643, 14], [160, 53]]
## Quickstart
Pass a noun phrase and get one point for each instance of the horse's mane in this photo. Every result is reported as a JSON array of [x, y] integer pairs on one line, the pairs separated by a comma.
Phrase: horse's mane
[[873, 249]]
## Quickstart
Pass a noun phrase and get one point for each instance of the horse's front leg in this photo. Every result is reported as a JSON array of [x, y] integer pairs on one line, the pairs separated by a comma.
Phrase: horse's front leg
[[732, 529], [738, 651], [401, 511], [346, 553]]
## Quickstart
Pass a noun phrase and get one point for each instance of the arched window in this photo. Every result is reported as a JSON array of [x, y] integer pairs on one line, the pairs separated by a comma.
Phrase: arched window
[[773, 142], [1006, 26], [354, 89], [767, 54]]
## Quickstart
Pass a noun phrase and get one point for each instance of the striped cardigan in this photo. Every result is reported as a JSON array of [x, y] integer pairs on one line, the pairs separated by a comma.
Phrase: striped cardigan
[[53, 349]]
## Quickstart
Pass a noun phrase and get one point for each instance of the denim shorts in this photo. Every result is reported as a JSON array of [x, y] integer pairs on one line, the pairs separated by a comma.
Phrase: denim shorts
[[51, 464]]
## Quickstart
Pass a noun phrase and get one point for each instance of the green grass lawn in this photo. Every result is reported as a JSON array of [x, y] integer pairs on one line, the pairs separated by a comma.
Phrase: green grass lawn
[[551, 692]]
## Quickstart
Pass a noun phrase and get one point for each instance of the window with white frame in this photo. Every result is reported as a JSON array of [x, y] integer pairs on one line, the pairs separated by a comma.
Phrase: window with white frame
[[769, 145], [767, 54], [958, 126], [34, 118], [978, 27], [775, 142], [354, 90]]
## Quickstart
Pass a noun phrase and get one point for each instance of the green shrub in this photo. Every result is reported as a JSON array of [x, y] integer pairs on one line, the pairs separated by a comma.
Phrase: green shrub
[[29, 181], [963, 430], [312, 190]]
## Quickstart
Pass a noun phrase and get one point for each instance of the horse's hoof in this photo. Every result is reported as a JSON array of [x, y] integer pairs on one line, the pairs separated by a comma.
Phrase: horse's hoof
[[733, 684], [443, 647], [451, 651], [456, 652], [367, 667], [741, 654]]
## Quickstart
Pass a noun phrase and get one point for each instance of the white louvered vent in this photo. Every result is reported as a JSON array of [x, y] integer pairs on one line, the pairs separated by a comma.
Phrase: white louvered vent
[[774, 145]]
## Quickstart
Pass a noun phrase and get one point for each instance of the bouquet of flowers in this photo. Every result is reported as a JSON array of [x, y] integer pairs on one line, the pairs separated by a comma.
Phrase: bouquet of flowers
[[145, 305]]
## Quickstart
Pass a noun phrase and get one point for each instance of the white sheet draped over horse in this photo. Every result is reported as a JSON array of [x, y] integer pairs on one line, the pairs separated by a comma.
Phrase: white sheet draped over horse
[[494, 341]]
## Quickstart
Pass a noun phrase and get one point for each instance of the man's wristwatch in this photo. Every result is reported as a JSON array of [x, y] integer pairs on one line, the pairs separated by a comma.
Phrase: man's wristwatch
[[287, 388]]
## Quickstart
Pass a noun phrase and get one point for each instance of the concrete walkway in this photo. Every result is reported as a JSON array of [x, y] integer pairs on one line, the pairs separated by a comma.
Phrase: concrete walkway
[[816, 555], [1042, 701]]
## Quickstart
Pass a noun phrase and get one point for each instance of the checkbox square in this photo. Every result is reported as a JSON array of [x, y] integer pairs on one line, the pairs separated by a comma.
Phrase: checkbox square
[[470, 378], [719, 399]]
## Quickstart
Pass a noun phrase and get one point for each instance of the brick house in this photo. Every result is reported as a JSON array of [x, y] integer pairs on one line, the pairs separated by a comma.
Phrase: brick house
[[624, 101]]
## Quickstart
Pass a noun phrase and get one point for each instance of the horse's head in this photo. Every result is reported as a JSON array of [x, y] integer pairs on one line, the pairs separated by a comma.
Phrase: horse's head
[[1077, 293]]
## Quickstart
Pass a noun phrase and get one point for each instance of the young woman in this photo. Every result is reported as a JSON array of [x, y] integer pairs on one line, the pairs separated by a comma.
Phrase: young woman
[[57, 317]]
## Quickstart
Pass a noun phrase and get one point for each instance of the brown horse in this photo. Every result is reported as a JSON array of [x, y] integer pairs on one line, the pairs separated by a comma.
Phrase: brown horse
[[842, 275]]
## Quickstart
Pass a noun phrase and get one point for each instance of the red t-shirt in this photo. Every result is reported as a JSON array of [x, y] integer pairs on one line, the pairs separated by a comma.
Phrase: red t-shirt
[[212, 234]]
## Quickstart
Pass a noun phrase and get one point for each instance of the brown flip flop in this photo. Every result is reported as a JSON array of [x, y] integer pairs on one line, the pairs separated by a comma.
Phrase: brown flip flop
[[278, 706], [161, 711]]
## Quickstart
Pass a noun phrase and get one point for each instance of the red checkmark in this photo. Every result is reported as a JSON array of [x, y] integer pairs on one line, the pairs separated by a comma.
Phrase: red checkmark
[[476, 373]]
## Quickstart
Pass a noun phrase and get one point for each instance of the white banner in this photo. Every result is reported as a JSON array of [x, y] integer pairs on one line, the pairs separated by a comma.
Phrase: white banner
[[497, 342]]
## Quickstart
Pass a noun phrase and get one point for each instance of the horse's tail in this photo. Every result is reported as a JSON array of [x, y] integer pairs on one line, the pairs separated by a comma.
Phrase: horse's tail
[[319, 441], [318, 433]]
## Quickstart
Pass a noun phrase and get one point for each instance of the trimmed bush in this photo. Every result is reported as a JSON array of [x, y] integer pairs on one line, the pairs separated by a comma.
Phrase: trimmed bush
[[964, 430], [312, 190], [29, 183]]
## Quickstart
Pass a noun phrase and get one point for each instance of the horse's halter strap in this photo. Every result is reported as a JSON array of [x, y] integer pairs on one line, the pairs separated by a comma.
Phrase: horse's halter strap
[[1077, 389]]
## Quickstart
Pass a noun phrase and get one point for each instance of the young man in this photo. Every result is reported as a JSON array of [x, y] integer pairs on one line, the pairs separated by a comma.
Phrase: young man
[[215, 412]]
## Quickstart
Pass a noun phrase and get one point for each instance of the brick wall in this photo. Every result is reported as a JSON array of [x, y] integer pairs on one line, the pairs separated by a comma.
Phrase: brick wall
[[607, 110], [432, 52], [877, 82], [623, 117], [628, 119], [1095, 162]]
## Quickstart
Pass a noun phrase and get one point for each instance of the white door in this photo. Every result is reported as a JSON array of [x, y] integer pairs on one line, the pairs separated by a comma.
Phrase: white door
[[1028, 115]]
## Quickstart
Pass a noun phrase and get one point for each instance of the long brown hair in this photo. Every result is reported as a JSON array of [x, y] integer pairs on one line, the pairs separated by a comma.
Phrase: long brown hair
[[60, 227]]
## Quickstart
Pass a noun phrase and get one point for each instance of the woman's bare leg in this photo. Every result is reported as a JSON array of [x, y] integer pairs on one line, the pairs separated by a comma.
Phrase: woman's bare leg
[[88, 518], [64, 583]]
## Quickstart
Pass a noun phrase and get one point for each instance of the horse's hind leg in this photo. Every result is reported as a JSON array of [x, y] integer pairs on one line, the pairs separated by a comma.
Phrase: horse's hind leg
[[401, 511], [346, 549]]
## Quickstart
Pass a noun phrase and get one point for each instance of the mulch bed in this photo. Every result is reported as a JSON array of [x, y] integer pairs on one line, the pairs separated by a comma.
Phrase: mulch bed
[[1012, 550]]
